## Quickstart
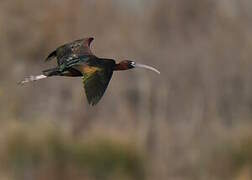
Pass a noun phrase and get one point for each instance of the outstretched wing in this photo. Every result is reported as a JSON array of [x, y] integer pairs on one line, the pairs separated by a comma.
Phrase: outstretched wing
[[95, 81], [72, 50]]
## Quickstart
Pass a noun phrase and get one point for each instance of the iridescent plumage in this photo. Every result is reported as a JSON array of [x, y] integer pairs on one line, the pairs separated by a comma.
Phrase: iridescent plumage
[[77, 60]]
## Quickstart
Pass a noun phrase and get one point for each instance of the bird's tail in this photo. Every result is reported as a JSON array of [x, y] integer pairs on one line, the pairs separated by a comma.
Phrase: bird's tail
[[32, 78], [46, 73]]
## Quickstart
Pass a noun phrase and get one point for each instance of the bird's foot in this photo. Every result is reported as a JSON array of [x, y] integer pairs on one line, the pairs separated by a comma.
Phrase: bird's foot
[[27, 79], [32, 78]]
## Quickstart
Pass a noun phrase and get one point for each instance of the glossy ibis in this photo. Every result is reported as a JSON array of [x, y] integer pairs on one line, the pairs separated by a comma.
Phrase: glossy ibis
[[75, 59]]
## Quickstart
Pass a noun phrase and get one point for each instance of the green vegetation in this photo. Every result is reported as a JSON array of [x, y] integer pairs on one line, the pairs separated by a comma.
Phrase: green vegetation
[[232, 159], [56, 157]]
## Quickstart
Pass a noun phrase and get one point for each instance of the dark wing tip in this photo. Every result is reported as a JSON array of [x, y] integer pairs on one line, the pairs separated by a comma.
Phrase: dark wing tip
[[85, 41], [90, 39], [94, 92], [51, 56], [94, 100]]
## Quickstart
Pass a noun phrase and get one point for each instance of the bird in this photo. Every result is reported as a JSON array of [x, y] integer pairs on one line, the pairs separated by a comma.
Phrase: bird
[[75, 59]]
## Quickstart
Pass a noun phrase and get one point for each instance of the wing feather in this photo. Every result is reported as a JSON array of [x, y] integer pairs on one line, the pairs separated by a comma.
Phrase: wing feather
[[73, 50], [51, 56], [95, 84]]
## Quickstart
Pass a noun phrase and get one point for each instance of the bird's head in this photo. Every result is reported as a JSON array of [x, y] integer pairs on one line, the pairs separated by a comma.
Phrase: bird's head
[[128, 64]]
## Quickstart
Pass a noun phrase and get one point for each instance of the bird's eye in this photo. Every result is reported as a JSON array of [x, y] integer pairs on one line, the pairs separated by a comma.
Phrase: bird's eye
[[132, 63]]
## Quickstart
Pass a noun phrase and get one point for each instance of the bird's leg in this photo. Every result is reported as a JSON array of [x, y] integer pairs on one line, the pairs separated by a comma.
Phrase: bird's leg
[[32, 78]]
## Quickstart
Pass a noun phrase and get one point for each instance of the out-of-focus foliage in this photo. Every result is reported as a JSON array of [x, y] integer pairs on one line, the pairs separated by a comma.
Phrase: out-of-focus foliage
[[53, 155], [189, 121], [231, 159]]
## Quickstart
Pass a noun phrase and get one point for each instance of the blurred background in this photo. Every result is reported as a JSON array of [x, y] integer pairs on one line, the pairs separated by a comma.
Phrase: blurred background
[[194, 121]]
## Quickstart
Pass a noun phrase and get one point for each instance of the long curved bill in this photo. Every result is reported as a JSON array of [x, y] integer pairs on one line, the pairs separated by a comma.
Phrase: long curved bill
[[146, 67]]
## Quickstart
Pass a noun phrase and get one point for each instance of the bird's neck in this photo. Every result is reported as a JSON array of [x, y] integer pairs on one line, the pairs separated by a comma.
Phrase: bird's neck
[[121, 67]]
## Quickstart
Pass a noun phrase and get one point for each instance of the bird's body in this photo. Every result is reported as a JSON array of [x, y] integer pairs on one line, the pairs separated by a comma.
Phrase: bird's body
[[75, 59]]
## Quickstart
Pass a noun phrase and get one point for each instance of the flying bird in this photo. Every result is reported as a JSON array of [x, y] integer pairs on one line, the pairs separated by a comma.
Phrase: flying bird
[[76, 59]]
